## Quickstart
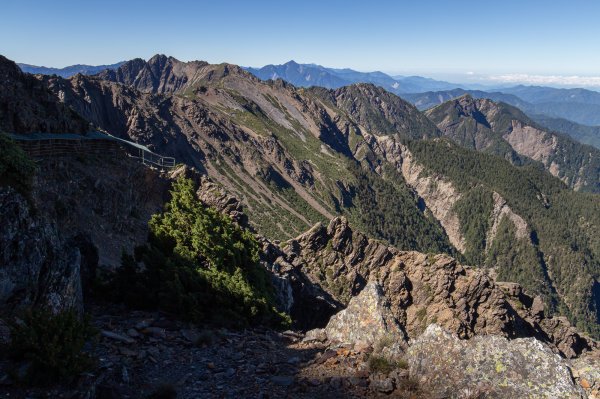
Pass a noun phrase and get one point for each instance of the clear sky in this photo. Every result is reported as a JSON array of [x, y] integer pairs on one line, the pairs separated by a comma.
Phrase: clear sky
[[503, 37]]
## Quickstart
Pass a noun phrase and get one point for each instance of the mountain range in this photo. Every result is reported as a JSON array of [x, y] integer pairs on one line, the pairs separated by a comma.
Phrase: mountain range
[[68, 71], [472, 178], [389, 238], [307, 75], [578, 106]]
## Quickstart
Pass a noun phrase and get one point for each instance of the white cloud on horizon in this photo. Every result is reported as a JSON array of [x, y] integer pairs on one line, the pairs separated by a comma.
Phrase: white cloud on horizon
[[555, 80]]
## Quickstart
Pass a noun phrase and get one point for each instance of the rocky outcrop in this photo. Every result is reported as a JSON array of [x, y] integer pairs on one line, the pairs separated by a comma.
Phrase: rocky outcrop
[[500, 211], [26, 105], [108, 199], [489, 366], [81, 215], [423, 289], [37, 268], [367, 320], [586, 371]]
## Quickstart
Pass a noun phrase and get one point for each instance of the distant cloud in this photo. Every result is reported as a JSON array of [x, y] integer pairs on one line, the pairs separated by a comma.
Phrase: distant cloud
[[470, 73], [556, 80]]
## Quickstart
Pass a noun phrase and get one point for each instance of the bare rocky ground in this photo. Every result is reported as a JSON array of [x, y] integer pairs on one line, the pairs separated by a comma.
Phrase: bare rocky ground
[[141, 354]]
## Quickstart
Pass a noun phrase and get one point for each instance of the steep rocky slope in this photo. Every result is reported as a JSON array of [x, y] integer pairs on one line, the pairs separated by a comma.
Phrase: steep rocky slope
[[296, 156], [286, 154], [81, 216], [498, 128], [26, 105]]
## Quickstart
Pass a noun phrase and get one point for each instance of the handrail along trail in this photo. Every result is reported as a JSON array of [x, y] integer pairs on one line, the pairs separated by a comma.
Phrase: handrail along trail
[[56, 144]]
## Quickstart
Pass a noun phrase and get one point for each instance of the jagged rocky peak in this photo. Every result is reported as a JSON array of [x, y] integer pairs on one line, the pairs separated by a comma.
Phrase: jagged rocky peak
[[379, 111], [163, 74], [417, 290]]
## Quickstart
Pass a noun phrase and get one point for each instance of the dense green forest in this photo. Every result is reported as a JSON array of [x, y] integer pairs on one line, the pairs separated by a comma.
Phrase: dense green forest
[[564, 226], [386, 208]]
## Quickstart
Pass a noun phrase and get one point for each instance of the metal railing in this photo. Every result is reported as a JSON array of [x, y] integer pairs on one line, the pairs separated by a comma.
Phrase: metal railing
[[50, 144]]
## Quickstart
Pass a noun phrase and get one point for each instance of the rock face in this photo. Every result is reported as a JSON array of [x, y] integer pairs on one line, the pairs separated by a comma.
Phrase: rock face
[[26, 105], [108, 199], [439, 195], [367, 320], [501, 210], [419, 290], [82, 215], [489, 366], [36, 267]]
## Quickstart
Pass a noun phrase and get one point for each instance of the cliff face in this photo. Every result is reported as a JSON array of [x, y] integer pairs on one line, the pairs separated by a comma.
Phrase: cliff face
[[423, 289], [82, 215], [27, 106], [38, 267]]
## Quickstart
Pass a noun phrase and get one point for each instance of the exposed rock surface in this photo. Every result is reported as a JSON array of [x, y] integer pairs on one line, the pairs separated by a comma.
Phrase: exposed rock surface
[[82, 215], [108, 199], [423, 289], [26, 105], [439, 194], [501, 210], [586, 371], [37, 268], [367, 319], [489, 366]]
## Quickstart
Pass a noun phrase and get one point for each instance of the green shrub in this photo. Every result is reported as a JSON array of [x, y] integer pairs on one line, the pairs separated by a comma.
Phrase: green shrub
[[16, 168], [379, 364], [199, 265], [51, 346]]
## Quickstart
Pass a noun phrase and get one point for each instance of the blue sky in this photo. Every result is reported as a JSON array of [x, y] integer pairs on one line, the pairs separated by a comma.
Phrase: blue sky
[[432, 38]]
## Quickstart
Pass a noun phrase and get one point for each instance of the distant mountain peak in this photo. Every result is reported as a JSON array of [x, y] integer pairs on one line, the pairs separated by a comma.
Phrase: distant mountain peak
[[68, 71]]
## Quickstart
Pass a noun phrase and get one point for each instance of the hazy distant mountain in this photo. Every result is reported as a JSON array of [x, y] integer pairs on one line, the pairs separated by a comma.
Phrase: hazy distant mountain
[[416, 84], [306, 75], [68, 71], [578, 105], [543, 94], [432, 98], [302, 75]]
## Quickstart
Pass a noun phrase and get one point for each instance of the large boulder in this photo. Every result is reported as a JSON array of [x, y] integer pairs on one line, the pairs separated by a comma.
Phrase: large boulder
[[366, 321], [489, 366]]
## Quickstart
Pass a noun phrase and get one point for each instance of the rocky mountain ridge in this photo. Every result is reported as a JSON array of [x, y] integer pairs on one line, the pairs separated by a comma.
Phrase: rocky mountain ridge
[[26, 105], [487, 126], [316, 275], [299, 156]]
